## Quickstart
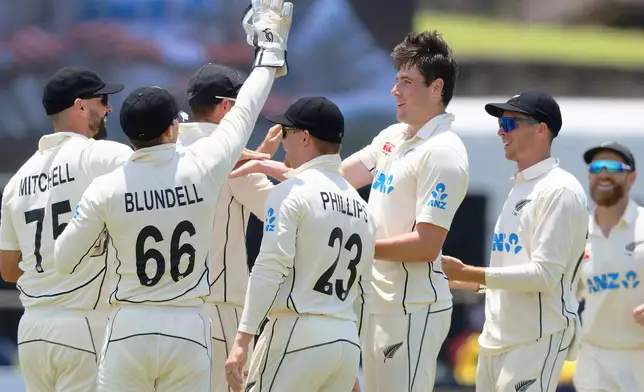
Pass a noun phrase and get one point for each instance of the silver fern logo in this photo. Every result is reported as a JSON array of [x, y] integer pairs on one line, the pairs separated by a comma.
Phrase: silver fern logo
[[390, 351], [522, 386], [520, 204]]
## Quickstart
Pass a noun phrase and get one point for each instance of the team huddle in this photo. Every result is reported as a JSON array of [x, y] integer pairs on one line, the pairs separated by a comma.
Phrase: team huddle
[[132, 268]]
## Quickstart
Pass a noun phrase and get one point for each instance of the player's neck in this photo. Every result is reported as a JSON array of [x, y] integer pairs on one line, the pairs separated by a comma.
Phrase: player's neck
[[608, 217], [532, 159], [413, 129]]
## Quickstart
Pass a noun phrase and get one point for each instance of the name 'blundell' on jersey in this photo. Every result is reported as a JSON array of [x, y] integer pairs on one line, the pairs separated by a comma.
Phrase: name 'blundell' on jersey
[[36, 206], [159, 209]]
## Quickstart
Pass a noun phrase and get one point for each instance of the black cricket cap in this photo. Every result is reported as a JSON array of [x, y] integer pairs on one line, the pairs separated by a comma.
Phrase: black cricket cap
[[147, 112], [213, 80], [321, 117], [536, 104], [70, 83], [615, 147]]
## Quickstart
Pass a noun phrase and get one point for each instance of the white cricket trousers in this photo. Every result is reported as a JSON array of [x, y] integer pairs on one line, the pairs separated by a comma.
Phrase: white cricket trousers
[[400, 351], [225, 322], [156, 348], [308, 353], [534, 367], [57, 348], [604, 370]]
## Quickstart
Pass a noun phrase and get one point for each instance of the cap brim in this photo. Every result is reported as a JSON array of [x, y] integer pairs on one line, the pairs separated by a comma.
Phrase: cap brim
[[589, 155], [497, 109], [111, 88], [280, 119]]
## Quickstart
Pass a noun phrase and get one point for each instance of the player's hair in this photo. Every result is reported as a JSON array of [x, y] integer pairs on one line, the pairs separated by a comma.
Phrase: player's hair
[[432, 55], [200, 113], [326, 148]]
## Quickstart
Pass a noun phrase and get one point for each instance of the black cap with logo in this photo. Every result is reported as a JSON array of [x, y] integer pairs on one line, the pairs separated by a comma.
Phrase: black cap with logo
[[147, 112], [615, 147], [212, 81], [70, 83], [536, 104], [321, 117]]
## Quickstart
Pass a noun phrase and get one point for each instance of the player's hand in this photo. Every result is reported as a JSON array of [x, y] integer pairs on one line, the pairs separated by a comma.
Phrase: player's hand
[[235, 364], [272, 140], [452, 267], [267, 24], [638, 315], [356, 386]]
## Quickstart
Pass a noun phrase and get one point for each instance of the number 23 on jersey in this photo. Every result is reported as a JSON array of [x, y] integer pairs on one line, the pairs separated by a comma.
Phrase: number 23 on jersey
[[324, 284]]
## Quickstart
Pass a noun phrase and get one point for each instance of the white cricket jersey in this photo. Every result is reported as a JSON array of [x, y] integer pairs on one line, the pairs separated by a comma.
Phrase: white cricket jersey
[[159, 209], [419, 180], [238, 198], [318, 241], [611, 282], [544, 220], [37, 203]]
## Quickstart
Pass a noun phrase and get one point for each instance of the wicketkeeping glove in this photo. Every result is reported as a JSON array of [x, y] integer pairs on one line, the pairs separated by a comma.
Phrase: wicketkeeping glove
[[267, 24]]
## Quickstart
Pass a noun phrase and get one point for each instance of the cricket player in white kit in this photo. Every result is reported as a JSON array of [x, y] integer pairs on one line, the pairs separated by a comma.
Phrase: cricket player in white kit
[[611, 357], [63, 325], [539, 238], [212, 92], [159, 209], [318, 239], [420, 172]]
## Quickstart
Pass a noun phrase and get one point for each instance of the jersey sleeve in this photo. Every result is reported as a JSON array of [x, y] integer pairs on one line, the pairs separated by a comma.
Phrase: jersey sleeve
[[251, 191], [369, 154], [441, 186], [221, 150], [561, 222], [8, 235], [275, 259], [83, 232], [104, 156]]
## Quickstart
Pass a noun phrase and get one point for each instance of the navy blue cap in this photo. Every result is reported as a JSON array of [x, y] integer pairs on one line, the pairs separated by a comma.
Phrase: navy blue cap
[[70, 83], [321, 117], [147, 112], [212, 81], [536, 104]]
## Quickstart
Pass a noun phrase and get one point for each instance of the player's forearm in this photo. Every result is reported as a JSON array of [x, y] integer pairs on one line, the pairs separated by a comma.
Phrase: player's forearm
[[531, 277], [10, 265], [263, 285], [408, 247], [460, 285], [238, 124]]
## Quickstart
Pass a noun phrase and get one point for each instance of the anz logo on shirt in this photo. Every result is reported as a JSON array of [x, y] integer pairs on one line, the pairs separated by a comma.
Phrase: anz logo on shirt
[[382, 182], [508, 243], [269, 223], [438, 197], [612, 281]]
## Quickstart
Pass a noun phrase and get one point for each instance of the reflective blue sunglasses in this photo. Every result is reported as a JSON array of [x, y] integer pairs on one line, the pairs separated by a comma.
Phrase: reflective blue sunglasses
[[510, 123], [611, 167]]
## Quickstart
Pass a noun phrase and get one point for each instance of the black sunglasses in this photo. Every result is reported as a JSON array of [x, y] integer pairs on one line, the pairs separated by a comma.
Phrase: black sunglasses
[[286, 128], [105, 101]]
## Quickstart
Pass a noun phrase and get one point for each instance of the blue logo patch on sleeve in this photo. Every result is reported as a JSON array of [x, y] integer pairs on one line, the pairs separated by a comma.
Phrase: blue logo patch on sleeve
[[439, 196], [269, 223]]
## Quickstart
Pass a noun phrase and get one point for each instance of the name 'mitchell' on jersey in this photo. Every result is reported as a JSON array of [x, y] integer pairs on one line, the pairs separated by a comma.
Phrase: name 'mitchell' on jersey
[[38, 202]]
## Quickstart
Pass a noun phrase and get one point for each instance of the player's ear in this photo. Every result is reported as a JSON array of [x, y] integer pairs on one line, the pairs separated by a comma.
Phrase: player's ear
[[78, 104]]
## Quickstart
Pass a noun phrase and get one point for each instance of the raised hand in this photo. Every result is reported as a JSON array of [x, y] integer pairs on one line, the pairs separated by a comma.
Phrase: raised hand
[[267, 24]]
